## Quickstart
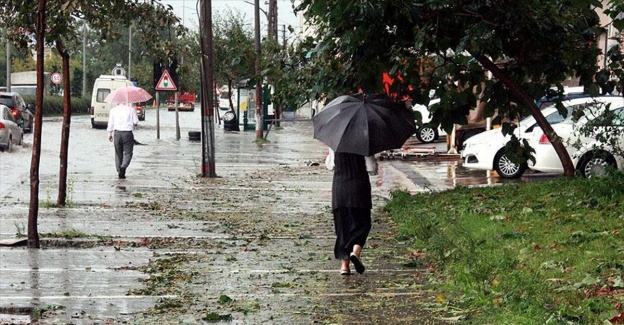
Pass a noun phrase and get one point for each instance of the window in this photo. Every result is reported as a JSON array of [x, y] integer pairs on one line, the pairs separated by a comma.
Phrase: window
[[101, 94]]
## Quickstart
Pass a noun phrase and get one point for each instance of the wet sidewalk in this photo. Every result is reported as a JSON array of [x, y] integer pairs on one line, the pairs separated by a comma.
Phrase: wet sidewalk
[[253, 246]]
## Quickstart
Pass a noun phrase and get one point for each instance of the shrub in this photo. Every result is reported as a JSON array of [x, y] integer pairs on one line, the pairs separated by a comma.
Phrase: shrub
[[53, 105]]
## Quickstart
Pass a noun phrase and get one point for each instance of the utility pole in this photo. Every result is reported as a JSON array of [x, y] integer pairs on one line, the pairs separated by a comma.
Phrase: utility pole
[[284, 37], [259, 121], [207, 92], [8, 62], [129, 50], [84, 58], [272, 17]]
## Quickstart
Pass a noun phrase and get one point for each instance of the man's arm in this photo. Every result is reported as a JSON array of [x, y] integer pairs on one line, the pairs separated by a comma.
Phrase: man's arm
[[111, 125], [135, 117]]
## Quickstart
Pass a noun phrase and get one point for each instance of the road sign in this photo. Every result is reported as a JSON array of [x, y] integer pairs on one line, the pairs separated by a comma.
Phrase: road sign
[[166, 83], [56, 78]]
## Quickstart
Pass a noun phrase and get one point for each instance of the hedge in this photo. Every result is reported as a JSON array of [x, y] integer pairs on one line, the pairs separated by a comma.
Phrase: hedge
[[53, 105]]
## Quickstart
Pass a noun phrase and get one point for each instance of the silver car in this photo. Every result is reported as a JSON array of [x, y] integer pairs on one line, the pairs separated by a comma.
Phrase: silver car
[[10, 133]]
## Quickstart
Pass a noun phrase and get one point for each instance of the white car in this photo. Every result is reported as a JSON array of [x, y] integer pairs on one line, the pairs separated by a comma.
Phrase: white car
[[10, 132], [224, 98], [486, 150], [426, 133], [591, 155]]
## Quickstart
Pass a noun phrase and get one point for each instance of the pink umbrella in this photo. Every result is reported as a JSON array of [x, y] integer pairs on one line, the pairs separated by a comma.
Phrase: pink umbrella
[[128, 95]]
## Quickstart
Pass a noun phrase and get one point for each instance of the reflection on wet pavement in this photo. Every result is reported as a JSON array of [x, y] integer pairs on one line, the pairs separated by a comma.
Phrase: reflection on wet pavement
[[260, 233]]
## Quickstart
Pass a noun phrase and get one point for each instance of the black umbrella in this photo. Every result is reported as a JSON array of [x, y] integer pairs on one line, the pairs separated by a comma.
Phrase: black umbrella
[[364, 124]]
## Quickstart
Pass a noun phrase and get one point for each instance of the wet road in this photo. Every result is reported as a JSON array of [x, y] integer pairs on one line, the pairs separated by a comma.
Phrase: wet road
[[260, 233], [91, 153]]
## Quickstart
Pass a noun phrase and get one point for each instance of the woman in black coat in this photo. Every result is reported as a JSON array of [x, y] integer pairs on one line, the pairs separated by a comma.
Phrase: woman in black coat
[[351, 205]]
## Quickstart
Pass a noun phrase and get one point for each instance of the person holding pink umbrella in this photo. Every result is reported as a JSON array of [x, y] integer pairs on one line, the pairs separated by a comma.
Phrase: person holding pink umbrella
[[121, 122]]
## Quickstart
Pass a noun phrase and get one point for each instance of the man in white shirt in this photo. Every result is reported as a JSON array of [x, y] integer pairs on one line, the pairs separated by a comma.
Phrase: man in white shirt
[[121, 121]]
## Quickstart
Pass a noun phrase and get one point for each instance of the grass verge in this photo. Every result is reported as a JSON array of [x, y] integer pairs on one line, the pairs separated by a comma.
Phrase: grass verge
[[530, 253]]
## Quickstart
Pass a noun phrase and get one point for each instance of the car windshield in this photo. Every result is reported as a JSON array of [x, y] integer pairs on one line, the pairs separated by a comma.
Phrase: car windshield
[[225, 95]]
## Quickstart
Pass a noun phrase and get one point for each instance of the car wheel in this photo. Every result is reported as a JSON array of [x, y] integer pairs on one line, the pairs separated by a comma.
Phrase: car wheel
[[596, 164], [10, 145], [507, 168], [21, 140], [427, 134], [29, 129]]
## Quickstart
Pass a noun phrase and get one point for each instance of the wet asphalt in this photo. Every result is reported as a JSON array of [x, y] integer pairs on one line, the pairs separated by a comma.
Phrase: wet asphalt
[[252, 246]]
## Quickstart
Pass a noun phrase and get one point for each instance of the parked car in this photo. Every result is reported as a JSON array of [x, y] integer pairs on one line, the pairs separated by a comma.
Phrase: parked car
[[427, 133], [24, 113], [591, 155], [568, 93], [224, 98], [10, 132], [486, 150]]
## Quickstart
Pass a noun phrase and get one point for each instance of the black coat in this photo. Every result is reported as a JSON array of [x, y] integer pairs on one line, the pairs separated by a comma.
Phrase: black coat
[[351, 186]]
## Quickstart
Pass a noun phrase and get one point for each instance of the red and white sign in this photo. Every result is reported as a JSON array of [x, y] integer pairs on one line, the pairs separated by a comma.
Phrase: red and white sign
[[165, 83], [56, 78]]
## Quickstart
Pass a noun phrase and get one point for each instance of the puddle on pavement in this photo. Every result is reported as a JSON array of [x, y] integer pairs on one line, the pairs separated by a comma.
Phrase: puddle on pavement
[[449, 169]]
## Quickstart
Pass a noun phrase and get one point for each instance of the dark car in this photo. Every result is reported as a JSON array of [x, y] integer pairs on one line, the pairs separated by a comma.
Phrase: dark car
[[140, 109], [23, 113]]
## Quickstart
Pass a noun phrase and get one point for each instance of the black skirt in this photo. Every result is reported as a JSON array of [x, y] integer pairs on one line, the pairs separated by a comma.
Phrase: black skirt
[[352, 227]]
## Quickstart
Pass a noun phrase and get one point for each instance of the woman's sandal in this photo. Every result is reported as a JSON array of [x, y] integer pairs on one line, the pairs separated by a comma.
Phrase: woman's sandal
[[345, 272], [359, 267]]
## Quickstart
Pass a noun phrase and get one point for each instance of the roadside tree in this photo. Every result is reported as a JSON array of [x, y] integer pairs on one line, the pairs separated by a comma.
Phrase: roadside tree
[[451, 47], [234, 53], [62, 22]]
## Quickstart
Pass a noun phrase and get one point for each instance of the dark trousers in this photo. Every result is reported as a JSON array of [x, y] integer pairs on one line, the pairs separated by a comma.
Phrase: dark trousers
[[352, 226], [124, 145]]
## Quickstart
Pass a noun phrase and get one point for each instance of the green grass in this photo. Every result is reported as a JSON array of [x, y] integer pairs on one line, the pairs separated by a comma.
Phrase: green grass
[[66, 233], [530, 253]]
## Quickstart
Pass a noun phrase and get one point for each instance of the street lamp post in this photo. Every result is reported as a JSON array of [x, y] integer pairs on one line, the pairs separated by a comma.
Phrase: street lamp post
[[129, 50], [8, 63], [266, 15], [84, 58]]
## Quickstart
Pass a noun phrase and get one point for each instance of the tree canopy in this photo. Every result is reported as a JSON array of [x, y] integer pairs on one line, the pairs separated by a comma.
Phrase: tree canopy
[[505, 53]]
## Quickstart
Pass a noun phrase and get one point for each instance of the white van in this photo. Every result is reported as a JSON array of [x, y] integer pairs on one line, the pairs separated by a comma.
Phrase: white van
[[224, 98], [103, 86]]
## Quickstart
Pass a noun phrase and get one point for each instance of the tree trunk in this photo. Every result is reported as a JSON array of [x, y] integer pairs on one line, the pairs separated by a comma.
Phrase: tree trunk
[[566, 162], [62, 194], [33, 211], [229, 80], [207, 86]]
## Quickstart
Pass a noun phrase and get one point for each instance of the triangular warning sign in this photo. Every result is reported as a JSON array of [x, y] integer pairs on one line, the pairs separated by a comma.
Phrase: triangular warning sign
[[165, 82]]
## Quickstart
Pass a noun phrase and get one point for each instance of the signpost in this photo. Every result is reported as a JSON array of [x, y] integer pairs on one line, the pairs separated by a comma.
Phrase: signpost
[[165, 83], [56, 78]]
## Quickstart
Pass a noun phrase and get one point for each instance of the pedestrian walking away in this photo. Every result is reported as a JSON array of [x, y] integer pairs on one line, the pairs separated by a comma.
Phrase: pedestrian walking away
[[356, 128], [351, 206], [121, 121]]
